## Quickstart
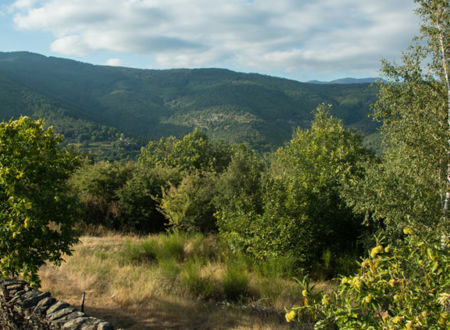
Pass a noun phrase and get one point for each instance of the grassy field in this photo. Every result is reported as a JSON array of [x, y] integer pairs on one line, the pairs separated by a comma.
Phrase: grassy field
[[171, 282]]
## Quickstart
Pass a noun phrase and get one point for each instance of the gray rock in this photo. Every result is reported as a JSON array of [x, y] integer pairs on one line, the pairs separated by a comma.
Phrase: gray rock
[[34, 299], [69, 317], [22, 307], [75, 324], [60, 313], [56, 307], [105, 326], [44, 304], [91, 324]]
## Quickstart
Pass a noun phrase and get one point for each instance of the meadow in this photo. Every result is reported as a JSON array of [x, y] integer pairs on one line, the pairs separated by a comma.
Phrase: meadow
[[173, 281]]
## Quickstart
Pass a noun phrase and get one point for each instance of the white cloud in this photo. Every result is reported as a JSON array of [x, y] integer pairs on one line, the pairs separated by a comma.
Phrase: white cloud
[[261, 35], [114, 62]]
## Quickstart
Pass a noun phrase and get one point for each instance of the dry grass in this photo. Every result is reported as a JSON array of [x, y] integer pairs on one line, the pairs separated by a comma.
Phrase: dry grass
[[150, 295]]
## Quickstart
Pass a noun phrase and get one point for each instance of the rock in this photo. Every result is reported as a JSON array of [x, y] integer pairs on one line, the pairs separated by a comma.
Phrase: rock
[[75, 324], [44, 304], [105, 326], [60, 313], [34, 299], [67, 318], [22, 307], [56, 306]]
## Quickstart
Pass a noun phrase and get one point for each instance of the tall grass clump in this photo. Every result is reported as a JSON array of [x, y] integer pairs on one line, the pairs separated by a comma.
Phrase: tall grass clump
[[171, 247], [140, 252], [199, 285], [235, 281], [199, 246], [278, 266]]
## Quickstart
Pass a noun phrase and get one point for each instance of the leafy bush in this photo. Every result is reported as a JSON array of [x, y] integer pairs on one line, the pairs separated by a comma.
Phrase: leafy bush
[[138, 198], [97, 185], [404, 286], [298, 210], [37, 209], [189, 207]]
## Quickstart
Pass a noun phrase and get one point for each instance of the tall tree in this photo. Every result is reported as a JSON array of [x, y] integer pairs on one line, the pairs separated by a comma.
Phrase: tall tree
[[411, 184], [37, 209], [302, 213]]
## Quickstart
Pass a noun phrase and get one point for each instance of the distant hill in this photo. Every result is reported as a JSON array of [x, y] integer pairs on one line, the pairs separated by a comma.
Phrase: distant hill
[[114, 107], [346, 81]]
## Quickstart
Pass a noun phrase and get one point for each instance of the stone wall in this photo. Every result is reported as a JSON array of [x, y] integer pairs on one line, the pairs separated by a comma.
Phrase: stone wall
[[22, 307]]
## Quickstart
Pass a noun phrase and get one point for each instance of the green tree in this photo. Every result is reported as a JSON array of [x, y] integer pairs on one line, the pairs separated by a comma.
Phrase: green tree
[[410, 186], [189, 206], [37, 210], [302, 212], [404, 284], [240, 183], [97, 186], [138, 199], [240, 199], [193, 152]]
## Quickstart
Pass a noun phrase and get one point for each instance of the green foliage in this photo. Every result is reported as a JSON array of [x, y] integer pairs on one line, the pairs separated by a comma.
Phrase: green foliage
[[202, 286], [405, 286], [172, 247], [409, 184], [145, 251], [302, 212], [240, 183], [37, 210], [239, 200], [168, 247], [193, 152], [97, 186], [235, 281], [189, 206], [138, 198]]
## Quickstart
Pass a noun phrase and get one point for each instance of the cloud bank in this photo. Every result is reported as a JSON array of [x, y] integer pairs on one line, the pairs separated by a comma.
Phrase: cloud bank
[[262, 35]]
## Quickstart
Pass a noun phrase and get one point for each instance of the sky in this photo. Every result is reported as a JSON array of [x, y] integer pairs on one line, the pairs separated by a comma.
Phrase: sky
[[295, 39]]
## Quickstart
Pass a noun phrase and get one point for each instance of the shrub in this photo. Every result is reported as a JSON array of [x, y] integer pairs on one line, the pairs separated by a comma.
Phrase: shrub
[[189, 206], [138, 198], [405, 286]]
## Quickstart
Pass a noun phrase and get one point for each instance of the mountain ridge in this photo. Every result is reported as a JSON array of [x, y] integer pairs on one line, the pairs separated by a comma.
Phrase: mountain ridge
[[144, 103]]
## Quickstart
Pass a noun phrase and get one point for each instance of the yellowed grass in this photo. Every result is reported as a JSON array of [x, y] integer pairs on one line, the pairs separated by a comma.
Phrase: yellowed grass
[[140, 296]]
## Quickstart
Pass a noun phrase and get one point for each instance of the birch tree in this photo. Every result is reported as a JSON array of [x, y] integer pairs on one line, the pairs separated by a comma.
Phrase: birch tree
[[410, 186]]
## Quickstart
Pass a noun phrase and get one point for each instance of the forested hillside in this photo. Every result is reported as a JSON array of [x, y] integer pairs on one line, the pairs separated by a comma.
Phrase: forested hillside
[[92, 105]]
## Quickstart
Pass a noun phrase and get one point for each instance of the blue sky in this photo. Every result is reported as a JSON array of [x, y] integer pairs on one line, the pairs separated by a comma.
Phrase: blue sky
[[296, 39]]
